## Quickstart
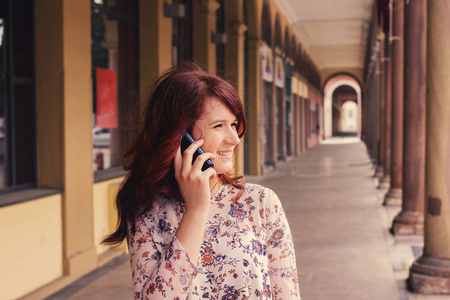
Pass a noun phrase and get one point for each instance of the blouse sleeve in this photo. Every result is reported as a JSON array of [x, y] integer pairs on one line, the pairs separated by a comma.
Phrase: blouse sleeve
[[161, 268], [280, 251]]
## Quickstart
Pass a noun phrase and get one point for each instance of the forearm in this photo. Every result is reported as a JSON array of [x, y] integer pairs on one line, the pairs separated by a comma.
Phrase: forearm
[[190, 231]]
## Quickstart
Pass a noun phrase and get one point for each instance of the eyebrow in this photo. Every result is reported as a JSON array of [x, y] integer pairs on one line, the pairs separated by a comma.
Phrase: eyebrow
[[221, 121]]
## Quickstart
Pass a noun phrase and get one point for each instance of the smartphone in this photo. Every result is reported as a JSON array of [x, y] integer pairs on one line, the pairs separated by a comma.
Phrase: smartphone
[[186, 141]]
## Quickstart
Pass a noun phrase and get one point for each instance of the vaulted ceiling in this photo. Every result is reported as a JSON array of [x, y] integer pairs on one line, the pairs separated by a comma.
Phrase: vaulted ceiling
[[334, 32]]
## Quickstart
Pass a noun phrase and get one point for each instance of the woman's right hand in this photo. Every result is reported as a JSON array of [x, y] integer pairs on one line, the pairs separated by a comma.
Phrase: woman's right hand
[[192, 181], [194, 187]]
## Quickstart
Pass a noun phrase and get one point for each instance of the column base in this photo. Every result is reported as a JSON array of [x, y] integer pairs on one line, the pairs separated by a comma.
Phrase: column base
[[393, 197], [408, 223], [379, 172], [385, 182], [430, 275]]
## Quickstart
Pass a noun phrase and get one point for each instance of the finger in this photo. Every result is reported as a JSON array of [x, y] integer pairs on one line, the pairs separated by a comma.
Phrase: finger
[[209, 173], [189, 153], [177, 163], [198, 164]]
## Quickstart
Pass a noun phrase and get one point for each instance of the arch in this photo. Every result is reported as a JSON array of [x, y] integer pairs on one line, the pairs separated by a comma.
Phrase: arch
[[278, 37], [331, 85], [341, 73], [287, 42], [266, 26]]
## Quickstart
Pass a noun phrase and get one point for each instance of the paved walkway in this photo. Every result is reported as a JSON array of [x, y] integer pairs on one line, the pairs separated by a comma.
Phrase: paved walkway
[[341, 232]]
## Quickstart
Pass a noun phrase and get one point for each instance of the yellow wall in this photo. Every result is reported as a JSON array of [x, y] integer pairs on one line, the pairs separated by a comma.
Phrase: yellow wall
[[31, 251], [105, 213]]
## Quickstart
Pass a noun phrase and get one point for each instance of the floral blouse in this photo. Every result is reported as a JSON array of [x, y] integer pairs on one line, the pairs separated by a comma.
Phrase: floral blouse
[[247, 250]]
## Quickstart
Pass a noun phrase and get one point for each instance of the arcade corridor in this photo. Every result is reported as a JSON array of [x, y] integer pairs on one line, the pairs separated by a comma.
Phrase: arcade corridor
[[348, 122], [341, 232]]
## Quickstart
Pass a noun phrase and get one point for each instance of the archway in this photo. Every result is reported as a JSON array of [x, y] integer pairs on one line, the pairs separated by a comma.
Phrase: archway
[[331, 85]]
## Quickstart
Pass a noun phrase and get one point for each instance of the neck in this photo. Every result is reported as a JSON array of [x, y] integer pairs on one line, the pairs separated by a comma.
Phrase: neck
[[214, 185]]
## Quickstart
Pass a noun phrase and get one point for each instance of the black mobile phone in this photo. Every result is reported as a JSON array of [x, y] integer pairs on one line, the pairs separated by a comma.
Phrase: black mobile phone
[[186, 141]]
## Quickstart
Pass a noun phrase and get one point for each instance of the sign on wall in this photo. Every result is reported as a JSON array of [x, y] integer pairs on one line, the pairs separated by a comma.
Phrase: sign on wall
[[279, 72], [267, 63], [106, 84]]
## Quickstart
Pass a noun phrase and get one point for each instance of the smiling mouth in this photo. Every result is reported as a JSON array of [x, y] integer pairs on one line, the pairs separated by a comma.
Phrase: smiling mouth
[[225, 153]]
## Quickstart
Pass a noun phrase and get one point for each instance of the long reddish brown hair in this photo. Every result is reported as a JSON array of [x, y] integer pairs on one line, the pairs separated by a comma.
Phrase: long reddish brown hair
[[175, 102]]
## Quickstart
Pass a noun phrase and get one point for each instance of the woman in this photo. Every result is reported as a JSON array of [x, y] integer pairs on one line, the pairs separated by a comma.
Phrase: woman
[[196, 234]]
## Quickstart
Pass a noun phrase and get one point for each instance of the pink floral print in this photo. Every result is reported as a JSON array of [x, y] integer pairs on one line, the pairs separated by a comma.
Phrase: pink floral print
[[247, 250]]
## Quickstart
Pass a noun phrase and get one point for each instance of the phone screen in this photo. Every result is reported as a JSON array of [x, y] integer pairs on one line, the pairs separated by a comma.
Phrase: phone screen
[[186, 141]]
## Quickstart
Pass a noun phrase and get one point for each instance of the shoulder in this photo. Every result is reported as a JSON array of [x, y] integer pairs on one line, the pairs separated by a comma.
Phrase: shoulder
[[254, 193], [257, 191]]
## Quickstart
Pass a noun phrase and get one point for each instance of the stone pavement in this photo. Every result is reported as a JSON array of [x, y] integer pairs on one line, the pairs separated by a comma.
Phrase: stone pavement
[[341, 232]]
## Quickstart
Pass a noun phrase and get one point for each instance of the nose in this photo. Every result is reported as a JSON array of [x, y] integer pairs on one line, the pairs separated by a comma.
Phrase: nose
[[233, 137]]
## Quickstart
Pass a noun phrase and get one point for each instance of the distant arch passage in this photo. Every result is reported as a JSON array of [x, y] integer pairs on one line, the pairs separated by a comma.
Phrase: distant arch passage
[[331, 85]]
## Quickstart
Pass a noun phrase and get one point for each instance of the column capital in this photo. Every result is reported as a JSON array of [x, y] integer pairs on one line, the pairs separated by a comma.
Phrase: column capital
[[398, 4], [208, 6], [238, 28], [254, 42]]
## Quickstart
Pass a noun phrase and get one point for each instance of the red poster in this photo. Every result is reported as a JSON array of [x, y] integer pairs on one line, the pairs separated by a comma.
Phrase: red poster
[[106, 98]]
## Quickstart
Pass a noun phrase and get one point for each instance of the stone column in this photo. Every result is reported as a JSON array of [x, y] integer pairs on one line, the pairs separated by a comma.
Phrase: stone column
[[385, 181], [204, 24], [154, 40], [64, 98], [298, 134], [430, 274], [234, 57], [280, 113], [273, 134], [410, 219], [255, 102], [381, 83], [302, 123], [394, 196]]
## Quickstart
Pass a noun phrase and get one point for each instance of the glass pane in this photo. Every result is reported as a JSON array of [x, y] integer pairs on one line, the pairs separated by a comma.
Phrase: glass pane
[[2, 98], [23, 145], [114, 55], [22, 38], [106, 59]]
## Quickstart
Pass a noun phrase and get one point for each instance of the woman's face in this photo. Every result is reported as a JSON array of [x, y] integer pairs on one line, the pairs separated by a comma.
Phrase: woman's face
[[217, 126]]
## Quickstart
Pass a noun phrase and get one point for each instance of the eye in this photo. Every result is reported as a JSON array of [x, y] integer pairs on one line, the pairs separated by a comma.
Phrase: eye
[[235, 124], [218, 126]]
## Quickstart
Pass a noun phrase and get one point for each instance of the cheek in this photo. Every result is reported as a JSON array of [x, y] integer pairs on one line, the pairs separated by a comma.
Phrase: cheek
[[211, 144]]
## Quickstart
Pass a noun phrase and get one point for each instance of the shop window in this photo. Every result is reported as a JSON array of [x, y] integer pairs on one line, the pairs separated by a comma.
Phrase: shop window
[[114, 50], [17, 96], [182, 34]]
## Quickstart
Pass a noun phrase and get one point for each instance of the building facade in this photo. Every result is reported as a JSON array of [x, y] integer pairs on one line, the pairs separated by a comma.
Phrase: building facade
[[74, 76]]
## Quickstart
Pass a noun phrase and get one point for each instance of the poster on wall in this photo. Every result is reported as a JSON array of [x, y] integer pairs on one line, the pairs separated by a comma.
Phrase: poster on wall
[[106, 84], [267, 63], [279, 72]]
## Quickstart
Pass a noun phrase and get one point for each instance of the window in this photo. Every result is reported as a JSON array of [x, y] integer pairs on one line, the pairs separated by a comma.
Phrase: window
[[114, 51], [17, 96], [182, 34]]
